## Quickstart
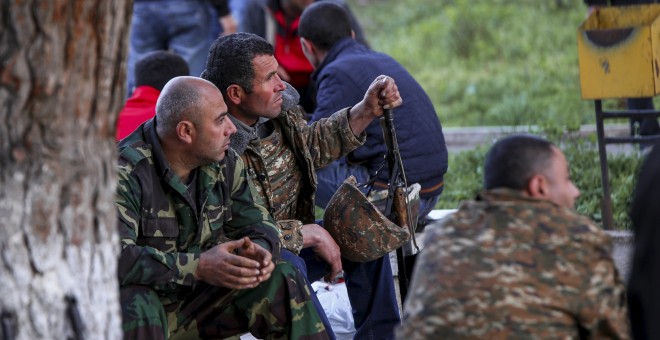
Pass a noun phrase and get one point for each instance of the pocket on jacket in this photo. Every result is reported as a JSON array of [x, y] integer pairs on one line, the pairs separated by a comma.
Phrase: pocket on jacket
[[160, 233]]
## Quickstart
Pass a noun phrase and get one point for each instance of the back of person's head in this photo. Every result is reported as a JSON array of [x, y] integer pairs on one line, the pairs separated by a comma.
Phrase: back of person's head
[[178, 101], [230, 60], [513, 160], [158, 67], [324, 23]]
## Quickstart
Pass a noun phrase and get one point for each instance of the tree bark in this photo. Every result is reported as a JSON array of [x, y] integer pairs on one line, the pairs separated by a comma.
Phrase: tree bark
[[62, 79]]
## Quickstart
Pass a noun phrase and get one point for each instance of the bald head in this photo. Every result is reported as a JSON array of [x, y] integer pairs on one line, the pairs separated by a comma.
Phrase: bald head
[[180, 100]]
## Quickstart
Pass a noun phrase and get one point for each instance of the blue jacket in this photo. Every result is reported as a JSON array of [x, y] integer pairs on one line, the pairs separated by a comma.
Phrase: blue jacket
[[342, 80]]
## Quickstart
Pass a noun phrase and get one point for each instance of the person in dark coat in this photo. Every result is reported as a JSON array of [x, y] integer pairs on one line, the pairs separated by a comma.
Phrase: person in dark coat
[[343, 72], [643, 292], [277, 22], [342, 68]]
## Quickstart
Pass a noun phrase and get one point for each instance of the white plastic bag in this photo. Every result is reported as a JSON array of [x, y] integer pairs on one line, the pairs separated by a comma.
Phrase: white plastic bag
[[337, 307]]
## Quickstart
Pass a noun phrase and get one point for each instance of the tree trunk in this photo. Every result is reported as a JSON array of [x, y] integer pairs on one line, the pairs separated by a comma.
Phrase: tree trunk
[[61, 85]]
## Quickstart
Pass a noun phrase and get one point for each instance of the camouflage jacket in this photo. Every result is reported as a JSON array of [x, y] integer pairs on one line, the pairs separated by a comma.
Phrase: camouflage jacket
[[314, 146], [510, 266], [162, 234]]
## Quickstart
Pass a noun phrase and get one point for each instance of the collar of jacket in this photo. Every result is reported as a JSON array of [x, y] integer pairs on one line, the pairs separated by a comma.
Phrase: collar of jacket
[[246, 133], [510, 196], [335, 50], [160, 161]]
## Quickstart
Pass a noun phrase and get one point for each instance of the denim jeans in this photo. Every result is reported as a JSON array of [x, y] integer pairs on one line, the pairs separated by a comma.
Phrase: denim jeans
[[185, 27], [332, 176], [370, 289]]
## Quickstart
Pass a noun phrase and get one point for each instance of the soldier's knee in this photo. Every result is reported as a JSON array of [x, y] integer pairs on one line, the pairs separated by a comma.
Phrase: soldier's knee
[[142, 312], [287, 269], [288, 275]]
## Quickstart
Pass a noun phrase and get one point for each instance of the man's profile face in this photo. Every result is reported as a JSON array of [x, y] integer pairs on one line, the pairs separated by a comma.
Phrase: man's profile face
[[265, 100], [561, 189]]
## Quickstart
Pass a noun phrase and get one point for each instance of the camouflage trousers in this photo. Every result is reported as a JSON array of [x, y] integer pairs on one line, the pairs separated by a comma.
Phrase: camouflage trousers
[[280, 308]]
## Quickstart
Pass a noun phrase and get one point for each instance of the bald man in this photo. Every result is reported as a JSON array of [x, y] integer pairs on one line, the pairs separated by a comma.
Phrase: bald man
[[199, 258]]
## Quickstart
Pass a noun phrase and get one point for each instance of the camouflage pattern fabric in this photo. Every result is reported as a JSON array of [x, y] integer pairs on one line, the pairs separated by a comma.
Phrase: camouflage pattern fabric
[[163, 229], [362, 232], [313, 146], [284, 178], [210, 312], [292, 237], [509, 266]]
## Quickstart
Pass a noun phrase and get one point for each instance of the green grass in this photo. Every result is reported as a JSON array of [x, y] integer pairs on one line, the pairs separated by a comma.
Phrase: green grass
[[488, 62], [500, 62], [465, 177]]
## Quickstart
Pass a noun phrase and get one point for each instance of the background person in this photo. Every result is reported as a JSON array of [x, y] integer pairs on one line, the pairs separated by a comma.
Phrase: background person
[[151, 74], [344, 70], [277, 21], [187, 28]]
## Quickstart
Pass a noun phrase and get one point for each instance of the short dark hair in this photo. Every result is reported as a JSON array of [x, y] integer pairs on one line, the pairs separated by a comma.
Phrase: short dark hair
[[230, 60], [157, 68], [513, 160], [324, 23]]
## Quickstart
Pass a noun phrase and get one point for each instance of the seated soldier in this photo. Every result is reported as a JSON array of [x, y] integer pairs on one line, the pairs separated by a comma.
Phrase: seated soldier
[[517, 261], [199, 258], [281, 152]]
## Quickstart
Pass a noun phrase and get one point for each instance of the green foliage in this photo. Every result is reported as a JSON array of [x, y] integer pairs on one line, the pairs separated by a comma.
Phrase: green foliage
[[465, 176], [489, 62], [500, 62]]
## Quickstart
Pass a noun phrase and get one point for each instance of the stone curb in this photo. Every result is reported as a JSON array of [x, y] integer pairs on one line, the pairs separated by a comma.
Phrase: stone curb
[[466, 138]]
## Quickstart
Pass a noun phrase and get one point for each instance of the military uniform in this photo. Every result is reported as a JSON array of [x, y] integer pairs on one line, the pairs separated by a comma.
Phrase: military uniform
[[281, 156], [510, 266], [289, 151], [164, 226]]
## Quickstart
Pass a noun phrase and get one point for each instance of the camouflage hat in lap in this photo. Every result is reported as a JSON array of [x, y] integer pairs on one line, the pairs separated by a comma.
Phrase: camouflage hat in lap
[[362, 232]]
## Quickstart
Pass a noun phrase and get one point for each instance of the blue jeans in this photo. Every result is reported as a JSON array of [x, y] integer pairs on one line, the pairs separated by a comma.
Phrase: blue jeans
[[332, 176], [187, 28], [370, 288], [240, 11]]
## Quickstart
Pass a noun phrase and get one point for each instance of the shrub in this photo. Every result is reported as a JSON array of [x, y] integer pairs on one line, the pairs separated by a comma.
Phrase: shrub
[[465, 177]]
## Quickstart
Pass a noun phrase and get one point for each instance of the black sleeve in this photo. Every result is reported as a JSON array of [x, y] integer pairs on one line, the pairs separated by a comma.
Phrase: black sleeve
[[644, 279]]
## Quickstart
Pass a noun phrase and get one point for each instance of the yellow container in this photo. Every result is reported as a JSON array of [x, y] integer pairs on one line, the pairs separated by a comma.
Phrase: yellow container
[[619, 52]]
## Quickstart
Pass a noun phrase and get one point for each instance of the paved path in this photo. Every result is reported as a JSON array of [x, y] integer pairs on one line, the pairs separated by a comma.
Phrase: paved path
[[466, 138]]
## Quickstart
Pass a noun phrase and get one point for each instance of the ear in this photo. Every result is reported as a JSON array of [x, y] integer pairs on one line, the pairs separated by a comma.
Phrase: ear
[[307, 45], [235, 94], [537, 186], [185, 131]]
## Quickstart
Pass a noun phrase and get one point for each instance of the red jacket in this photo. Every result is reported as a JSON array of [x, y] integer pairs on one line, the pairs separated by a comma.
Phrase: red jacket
[[139, 108], [288, 51]]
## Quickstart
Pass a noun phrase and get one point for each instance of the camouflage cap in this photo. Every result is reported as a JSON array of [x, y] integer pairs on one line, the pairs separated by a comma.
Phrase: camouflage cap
[[362, 232]]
